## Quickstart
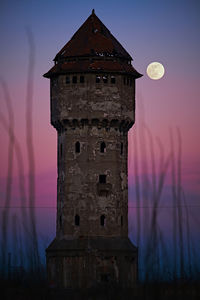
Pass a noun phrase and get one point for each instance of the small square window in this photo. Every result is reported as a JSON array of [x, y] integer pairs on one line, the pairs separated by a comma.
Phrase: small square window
[[67, 80], [82, 79], [74, 79], [98, 78], [102, 178], [113, 79]]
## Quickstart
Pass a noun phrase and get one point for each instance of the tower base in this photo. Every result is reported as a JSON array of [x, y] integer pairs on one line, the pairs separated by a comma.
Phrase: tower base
[[91, 262]]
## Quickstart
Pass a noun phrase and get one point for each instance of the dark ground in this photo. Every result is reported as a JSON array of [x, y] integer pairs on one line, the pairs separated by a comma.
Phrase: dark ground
[[154, 291]]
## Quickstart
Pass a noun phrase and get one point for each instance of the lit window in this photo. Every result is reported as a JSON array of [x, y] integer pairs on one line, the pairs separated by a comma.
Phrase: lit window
[[102, 178], [67, 80], [74, 79], [77, 147], [77, 220], [98, 78], [82, 79], [113, 80], [102, 220], [103, 147]]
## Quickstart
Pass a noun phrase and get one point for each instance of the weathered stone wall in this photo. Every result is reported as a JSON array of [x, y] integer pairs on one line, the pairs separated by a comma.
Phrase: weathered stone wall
[[91, 113], [79, 190], [91, 100], [91, 268]]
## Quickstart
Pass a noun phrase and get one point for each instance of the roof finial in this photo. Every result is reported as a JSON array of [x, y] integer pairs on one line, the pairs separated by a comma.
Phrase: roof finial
[[93, 12]]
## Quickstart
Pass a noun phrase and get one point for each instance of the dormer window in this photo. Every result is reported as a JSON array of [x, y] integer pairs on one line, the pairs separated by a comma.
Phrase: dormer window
[[102, 178], [74, 79], [103, 147], [113, 79]]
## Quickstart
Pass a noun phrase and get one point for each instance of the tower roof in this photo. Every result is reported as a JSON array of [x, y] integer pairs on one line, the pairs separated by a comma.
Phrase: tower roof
[[92, 49], [93, 37]]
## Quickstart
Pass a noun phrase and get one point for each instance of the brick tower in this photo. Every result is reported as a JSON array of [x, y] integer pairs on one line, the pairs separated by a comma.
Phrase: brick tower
[[92, 109]]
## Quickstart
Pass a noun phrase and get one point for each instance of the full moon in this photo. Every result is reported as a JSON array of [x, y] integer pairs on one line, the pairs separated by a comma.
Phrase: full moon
[[155, 70]]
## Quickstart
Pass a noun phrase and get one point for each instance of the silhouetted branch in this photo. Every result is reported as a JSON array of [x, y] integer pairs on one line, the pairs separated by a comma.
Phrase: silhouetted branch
[[30, 144], [5, 215]]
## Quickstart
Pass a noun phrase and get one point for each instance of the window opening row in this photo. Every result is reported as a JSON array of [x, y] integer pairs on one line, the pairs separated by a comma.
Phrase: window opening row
[[99, 78], [102, 147], [104, 79], [75, 79], [128, 81], [81, 79], [102, 220]]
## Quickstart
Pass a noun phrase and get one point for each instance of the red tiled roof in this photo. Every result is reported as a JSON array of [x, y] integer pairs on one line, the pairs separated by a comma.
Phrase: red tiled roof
[[93, 37], [92, 49]]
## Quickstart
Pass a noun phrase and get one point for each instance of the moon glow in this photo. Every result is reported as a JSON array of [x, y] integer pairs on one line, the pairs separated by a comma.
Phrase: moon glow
[[155, 70]]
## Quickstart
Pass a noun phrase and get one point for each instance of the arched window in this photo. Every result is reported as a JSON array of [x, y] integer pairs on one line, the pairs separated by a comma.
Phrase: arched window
[[102, 220], [121, 149], [103, 147], [122, 221], [77, 147], [77, 220]]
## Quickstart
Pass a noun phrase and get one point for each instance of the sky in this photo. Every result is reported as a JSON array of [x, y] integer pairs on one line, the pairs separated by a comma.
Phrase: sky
[[150, 30]]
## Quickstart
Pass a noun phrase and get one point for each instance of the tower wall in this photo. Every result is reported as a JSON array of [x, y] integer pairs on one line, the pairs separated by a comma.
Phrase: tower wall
[[91, 113]]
